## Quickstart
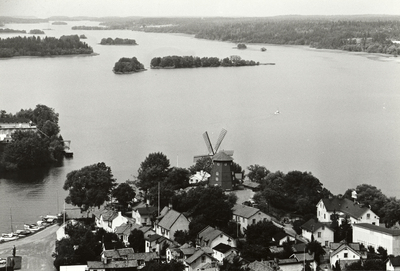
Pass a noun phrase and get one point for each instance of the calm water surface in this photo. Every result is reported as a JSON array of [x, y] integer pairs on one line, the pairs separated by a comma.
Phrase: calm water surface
[[340, 113]]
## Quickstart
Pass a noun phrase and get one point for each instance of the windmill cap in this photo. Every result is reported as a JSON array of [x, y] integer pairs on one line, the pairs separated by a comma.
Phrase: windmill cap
[[222, 156]]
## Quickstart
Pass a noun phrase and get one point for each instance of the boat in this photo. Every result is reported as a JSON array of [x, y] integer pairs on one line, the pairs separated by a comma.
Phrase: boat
[[9, 237], [263, 49]]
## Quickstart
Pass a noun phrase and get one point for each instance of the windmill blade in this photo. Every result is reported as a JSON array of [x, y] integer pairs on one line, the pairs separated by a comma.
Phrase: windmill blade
[[208, 143], [220, 138]]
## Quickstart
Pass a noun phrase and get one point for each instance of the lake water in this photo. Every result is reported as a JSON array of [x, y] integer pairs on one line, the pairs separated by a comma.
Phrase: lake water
[[339, 112]]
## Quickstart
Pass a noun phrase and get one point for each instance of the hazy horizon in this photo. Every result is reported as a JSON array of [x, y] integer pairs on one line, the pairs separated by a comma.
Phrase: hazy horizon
[[191, 8]]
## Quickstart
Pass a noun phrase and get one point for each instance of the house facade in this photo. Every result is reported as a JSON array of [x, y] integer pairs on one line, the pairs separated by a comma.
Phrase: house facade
[[221, 251], [109, 220], [171, 222], [345, 254], [376, 236], [10, 125], [393, 263], [246, 215], [201, 259], [345, 207], [142, 215], [320, 231]]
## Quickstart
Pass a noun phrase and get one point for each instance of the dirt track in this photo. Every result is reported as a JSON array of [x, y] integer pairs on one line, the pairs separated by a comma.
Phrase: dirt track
[[35, 250]]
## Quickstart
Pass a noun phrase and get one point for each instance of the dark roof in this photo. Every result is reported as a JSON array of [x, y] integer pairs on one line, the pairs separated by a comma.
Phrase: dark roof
[[156, 237], [146, 210], [244, 211], [222, 156], [119, 253], [355, 246], [113, 264], [169, 219], [280, 235], [344, 205], [221, 247], [342, 247], [312, 225], [202, 251], [209, 234], [393, 232], [299, 247], [145, 256], [395, 260], [14, 120], [251, 184]]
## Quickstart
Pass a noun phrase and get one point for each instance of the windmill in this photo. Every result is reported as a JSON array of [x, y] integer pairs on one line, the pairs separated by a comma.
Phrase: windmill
[[212, 151]]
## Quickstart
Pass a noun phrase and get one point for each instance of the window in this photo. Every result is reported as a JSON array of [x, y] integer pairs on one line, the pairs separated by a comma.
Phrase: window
[[368, 216], [216, 179], [254, 221], [217, 173], [326, 243], [226, 164], [203, 259], [324, 216], [346, 255], [319, 234], [217, 164]]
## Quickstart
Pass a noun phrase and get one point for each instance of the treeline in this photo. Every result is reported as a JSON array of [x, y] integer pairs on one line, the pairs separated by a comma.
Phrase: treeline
[[48, 46], [83, 27], [196, 62], [8, 30], [117, 41], [36, 32], [128, 65], [374, 35], [29, 149]]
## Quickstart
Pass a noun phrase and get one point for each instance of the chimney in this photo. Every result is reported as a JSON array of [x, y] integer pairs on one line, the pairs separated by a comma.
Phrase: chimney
[[170, 206]]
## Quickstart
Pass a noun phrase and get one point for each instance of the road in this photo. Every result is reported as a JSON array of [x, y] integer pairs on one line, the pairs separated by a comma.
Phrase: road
[[35, 250]]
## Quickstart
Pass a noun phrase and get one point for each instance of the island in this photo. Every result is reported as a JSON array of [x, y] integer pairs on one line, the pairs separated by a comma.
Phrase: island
[[118, 41], [59, 23], [82, 37], [8, 30], [84, 27], [36, 32], [174, 62], [241, 46], [128, 65], [48, 46]]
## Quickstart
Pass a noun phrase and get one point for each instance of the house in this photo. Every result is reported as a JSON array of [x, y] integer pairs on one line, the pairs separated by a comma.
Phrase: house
[[305, 258], [321, 231], [251, 185], [393, 263], [201, 259], [221, 251], [345, 253], [114, 260], [143, 258], [376, 236], [210, 237], [171, 222], [180, 253], [117, 254], [147, 231], [124, 230], [142, 215], [345, 207], [9, 125], [259, 266], [246, 215], [155, 243], [200, 176], [282, 237], [109, 220]]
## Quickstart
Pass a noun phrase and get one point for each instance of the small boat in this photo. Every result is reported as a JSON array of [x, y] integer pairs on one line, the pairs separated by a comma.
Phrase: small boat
[[263, 49], [31, 227], [9, 237]]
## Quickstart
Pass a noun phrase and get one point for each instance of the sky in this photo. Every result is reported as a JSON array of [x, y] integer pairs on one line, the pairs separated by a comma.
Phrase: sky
[[206, 8]]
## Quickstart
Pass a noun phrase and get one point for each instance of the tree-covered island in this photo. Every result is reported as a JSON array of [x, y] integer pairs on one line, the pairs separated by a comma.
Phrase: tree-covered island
[[48, 46], [36, 32], [117, 41], [8, 30], [59, 23], [127, 65], [176, 62], [30, 138]]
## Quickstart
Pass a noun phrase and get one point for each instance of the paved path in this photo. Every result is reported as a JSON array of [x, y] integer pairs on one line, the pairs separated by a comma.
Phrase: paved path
[[35, 250]]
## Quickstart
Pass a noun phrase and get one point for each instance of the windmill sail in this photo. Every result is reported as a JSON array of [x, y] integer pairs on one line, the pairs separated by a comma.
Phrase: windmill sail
[[208, 143], [220, 138]]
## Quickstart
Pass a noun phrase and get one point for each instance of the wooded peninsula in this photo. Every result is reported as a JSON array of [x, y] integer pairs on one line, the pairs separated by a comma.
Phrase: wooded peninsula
[[197, 62], [48, 46]]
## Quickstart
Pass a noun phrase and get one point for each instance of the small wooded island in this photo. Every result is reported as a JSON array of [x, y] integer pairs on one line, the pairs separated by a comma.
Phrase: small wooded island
[[175, 62], [48, 46], [36, 32], [117, 41], [59, 23], [8, 30], [128, 65]]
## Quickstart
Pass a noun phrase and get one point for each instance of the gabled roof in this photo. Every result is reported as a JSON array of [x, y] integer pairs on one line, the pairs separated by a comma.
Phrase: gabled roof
[[109, 215], [299, 247], [126, 253], [145, 256], [344, 205], [259, 266], [126, 228], [209, 234], [222, 156], [395, 261], [223, 248], [169, 219], [244, 210], [342, 247], [200, 252], [251, 184], [303, 256], [393, 232], [280, 235], [149, 210], [156, 237], [354, 246], [312, 225], [113, 264]]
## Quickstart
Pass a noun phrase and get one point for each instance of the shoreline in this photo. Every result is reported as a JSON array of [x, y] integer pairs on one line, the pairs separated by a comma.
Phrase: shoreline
[[51, 56]]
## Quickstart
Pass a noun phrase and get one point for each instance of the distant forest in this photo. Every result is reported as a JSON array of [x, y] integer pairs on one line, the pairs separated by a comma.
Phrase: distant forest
[[363, 35], [48, 46]]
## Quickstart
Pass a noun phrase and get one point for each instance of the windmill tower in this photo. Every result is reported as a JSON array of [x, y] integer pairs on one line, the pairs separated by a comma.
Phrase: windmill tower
[[212, 151], [221, 172]]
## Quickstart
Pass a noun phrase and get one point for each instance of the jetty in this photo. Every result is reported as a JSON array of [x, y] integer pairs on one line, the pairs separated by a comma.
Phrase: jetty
[[67, 149]]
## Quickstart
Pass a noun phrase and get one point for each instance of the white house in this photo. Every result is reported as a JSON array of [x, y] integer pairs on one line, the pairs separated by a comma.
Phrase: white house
[[109, 220], [221, 251], [201, 259], [393, 263], [142, 215], [321, 232], [376, 236], [246, 215], [200, 176], [171, 222], [345, 207], [345, 253], [9, 125], [210, 237]]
